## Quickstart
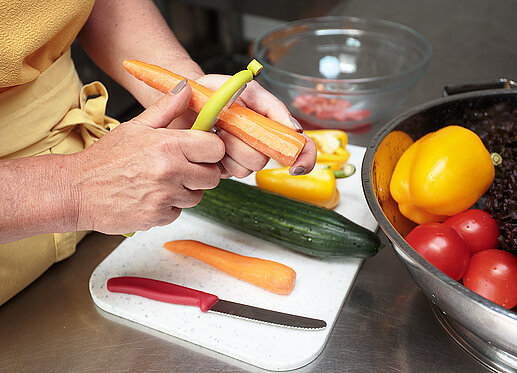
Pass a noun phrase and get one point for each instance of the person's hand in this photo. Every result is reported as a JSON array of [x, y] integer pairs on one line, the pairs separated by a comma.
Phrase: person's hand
[[241, 159], [142, 174]]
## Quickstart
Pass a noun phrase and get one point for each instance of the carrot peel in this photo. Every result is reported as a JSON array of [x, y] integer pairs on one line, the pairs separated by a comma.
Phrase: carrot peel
[[269, 137], [270, 275]]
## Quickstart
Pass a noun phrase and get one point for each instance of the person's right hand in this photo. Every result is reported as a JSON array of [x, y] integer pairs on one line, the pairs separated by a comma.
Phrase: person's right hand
[[142, 174]]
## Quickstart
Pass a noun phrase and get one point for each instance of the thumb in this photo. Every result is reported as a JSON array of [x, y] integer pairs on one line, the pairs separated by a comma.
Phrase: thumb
[[167, 108]]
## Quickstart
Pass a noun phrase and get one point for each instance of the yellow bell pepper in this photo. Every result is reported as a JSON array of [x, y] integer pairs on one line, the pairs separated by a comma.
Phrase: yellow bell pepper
[[318, 187], [442, 174], [331, 145]]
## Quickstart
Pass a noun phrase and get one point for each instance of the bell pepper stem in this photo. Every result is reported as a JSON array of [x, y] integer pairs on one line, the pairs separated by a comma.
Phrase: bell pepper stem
[[497, 160], [347, 170]]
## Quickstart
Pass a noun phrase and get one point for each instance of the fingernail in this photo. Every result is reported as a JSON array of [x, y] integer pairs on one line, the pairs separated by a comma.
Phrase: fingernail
[[296, 124], [298, 170], [179, 87]]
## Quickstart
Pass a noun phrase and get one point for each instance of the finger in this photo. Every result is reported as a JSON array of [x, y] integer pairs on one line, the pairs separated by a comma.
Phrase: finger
[[224, 172], [260, 100], [200, 146], [170, 217], [263, 102], [187, 199], [167, 108], [241, 152], [202, 176], [184, 121], [255, 97], [175, 213], [306, 160], [213, 81], [235, 168]]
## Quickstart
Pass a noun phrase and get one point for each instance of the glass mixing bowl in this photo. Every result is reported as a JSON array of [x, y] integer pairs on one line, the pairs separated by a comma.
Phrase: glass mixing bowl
[[341, 72]]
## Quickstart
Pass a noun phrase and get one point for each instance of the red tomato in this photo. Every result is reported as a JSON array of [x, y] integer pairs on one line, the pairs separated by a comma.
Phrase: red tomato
[[478, 229], [493, 275], [441, 246]]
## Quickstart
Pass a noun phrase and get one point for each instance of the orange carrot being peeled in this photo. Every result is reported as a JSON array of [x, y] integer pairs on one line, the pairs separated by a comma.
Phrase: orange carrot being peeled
[[267, 274], [269, 137]]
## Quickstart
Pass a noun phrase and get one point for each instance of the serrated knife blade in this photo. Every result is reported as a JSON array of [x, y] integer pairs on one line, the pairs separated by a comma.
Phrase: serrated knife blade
[[176, 294]]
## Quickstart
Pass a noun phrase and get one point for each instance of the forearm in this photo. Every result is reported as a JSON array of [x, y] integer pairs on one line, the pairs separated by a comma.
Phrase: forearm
[[36, 197], [133, 29]]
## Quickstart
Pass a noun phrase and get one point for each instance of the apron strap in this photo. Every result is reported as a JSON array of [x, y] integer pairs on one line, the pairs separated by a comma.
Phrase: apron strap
[[39, 117]]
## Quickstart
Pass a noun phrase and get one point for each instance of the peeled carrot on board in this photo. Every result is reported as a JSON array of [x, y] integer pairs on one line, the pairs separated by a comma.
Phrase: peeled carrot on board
[[267, 274], [269, 137]]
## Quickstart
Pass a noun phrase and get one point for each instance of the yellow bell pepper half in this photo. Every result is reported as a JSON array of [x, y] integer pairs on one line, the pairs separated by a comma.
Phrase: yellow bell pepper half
[[442, 174], [331, 145], [318, 187]]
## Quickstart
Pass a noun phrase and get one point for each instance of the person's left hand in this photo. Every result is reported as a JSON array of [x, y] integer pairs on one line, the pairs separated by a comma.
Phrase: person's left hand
[[241, 159]]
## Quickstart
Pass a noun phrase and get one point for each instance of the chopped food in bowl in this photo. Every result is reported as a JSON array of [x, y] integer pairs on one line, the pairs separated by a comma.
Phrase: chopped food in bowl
[[341, 72]]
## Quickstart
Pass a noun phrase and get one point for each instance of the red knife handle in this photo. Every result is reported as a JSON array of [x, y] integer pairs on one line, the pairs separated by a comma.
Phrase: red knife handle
[[162, 291]]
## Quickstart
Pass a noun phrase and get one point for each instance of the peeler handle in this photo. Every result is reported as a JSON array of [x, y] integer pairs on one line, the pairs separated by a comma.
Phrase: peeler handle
[[208, 115]]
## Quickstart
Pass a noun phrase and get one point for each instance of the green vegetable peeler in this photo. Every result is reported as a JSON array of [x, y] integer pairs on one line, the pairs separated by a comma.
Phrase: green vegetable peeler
[[225, 96]]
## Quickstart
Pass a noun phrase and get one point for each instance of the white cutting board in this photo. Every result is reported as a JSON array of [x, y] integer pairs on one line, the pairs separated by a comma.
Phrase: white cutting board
[[321, 286]]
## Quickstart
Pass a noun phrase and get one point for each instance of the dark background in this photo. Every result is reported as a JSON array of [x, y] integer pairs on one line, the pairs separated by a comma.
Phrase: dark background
[[212, 33]]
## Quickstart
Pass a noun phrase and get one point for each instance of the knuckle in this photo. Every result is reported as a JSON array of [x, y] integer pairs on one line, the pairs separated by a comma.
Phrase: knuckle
[[156, 202], [154, 216], [150, 219], [161, 218], [176, 212], [170, 144], [145, 228], [160, 105], [159, 169], [172, 214], [194, 198]]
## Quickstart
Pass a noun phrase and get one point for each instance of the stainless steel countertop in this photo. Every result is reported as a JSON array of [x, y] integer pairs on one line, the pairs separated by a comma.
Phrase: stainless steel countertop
[[386, 324]]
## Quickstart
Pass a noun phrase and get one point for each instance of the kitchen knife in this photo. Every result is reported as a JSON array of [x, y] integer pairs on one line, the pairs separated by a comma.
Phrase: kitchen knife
[[177, 294]]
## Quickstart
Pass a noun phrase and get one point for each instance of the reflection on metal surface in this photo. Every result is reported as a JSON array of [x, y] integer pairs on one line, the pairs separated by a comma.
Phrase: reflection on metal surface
[[386, 157], [165, 345], [488, 320], [385, 323], [486, 353]]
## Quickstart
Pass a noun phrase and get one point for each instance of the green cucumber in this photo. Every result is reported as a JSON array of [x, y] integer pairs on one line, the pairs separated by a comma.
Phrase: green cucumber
[[302, 227]]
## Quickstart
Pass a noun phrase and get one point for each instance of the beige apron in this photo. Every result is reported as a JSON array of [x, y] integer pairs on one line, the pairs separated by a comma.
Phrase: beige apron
[[53, 114]]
